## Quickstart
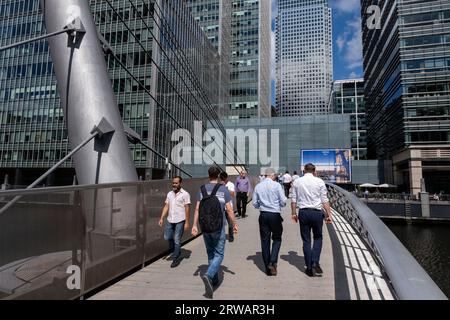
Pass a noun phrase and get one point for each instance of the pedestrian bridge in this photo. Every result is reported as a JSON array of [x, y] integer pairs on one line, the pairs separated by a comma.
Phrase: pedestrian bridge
[[69, 242]]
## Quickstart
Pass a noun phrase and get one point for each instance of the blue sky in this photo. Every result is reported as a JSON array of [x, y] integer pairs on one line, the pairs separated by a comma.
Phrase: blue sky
[[347, 46]]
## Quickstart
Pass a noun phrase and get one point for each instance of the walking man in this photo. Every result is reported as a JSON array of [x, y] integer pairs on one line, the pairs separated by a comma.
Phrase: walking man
[[287, 180], [213, 202], [177, 210], [243, 188], [230, 186], [269, 198], [309, 195]]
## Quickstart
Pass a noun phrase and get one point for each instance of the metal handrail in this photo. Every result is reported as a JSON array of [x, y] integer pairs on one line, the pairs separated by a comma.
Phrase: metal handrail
[[408, 279]]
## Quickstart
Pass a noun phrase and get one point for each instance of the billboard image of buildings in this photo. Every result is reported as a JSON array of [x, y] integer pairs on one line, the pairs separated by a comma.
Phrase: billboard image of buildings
[[333, 165]]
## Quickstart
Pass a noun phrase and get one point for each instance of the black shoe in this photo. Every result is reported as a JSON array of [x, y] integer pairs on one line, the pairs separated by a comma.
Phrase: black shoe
[[268, 272], [208, 286], [273, 269], [317, 269], [309, 272], [176, 262]]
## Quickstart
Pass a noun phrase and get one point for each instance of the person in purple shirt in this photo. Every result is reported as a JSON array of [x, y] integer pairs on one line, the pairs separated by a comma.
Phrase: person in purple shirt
[[243, 188]]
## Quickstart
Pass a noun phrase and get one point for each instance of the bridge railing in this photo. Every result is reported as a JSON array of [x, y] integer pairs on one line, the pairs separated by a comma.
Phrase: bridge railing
[[408, 279], [64, 242]]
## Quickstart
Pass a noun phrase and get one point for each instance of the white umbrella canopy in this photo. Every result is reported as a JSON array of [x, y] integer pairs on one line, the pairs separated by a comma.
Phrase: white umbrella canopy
[[368, 185], [387, 185]]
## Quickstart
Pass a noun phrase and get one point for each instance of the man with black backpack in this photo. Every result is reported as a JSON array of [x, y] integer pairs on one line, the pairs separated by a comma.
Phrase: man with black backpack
[[213, 202]]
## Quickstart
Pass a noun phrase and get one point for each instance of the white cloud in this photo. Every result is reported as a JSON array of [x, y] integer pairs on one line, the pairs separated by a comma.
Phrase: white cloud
[[345, 6], [349, 44]]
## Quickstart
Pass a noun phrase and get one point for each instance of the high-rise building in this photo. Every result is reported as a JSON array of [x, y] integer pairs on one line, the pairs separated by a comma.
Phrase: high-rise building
[[407, 90], [214, 18], [348, 98], [249, 45], [165, 76], [304, 68]]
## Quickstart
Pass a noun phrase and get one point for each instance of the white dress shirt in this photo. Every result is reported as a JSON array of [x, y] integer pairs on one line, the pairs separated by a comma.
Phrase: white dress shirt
[[177, 202], [309, 192], [287, 178]]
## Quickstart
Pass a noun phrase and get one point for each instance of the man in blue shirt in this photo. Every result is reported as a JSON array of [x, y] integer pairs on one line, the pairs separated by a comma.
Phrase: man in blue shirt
[[269, 198], [215, 241]]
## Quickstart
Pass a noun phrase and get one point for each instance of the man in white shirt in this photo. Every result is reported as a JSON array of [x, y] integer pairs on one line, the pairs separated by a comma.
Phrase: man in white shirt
[[177, 210], [230, 186], [287, 180], [309, 195], [295, 176]]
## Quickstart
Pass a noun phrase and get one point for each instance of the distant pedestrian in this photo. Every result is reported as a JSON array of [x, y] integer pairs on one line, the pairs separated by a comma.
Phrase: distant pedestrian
[[269, 198], [287, 180], [309, 195], [213, 202], [243, 188], [177, 210], [295, 176], [230, 186]]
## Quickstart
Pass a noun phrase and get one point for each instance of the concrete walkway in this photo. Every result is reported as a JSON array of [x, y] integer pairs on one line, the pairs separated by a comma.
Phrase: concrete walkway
[[349, 270]]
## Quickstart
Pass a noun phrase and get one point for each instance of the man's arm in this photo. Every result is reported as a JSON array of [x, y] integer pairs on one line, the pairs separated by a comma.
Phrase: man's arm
[[255, 200], [328, 217], [232, 218], [187, 208], [163, 214], [281, 195], [194, 231], [293, 195], [325, 202]]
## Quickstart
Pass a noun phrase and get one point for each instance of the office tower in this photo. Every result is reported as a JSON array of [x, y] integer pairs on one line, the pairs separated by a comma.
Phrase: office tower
[[249, 45], [304, 68], [165, 76], [348, 98], [407, 89]]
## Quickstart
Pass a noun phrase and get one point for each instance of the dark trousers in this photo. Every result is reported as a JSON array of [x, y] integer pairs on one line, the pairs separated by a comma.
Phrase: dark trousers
[[287, 187], [311, 219], [270, 224], [241, 199]]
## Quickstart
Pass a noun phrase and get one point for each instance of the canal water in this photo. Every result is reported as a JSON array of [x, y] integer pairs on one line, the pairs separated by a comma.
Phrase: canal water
[[430, 245]]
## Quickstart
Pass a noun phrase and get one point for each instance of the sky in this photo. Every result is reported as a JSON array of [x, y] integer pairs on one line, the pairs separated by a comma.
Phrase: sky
[[347, 45]]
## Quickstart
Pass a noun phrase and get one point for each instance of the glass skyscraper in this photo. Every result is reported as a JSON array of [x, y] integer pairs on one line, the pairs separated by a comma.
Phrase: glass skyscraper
[[249, 46], [164, 71], [407, 78], [348, 98], [304, 68]]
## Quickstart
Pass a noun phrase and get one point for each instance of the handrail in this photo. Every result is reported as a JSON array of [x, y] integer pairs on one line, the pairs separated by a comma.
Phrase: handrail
[[409, 280]]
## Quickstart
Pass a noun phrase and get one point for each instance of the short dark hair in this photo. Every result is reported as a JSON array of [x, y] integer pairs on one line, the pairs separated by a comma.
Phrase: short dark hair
[[310, 168], [179, 178], [295, 172], [287, 171], [213, 172], [223, 176]]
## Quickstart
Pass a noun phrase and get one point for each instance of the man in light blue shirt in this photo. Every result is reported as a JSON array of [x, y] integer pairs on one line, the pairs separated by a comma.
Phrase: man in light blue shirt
[[269, 198]]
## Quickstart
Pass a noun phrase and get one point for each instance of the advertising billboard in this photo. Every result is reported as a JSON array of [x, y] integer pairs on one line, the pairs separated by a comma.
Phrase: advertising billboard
[[332, 165]]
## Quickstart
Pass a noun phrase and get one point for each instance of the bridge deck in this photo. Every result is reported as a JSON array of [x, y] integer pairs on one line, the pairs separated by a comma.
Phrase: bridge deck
[[349, 269]]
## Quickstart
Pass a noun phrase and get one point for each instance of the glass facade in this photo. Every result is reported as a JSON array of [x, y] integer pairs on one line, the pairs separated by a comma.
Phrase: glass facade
[[348, 98], [407, 75], [249, 50], [214, 18], [163, 69], [304, 68]]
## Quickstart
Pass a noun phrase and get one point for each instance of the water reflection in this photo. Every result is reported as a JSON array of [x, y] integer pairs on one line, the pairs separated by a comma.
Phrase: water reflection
[[430, 245]]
